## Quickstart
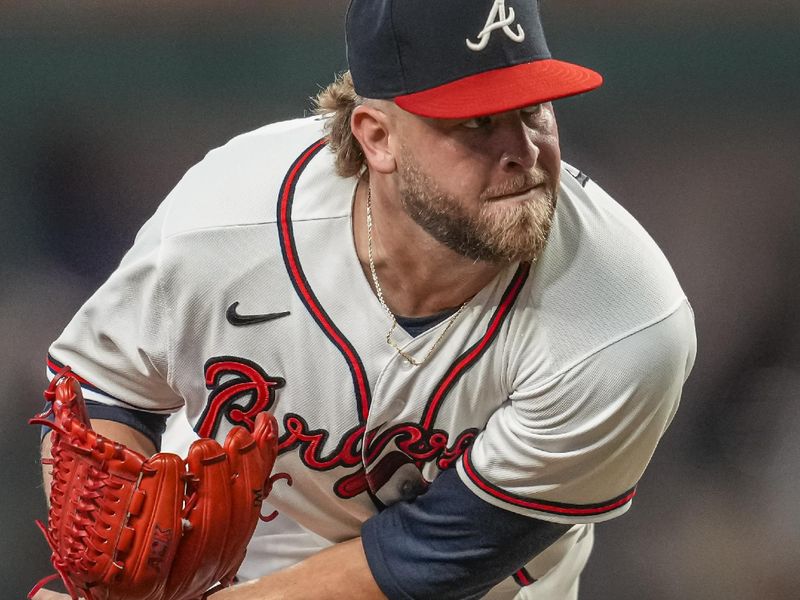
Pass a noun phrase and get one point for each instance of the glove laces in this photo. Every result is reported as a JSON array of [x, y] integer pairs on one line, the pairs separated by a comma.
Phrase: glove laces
[[76, 525]]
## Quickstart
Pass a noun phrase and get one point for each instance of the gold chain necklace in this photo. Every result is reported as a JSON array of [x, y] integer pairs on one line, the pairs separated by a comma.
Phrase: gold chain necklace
[[389, 339]]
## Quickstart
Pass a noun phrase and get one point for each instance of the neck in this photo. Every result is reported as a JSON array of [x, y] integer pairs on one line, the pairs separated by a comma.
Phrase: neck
[[419, 275]]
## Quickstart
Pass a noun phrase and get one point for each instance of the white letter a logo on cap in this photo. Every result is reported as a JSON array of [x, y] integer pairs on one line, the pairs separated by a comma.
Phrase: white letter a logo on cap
[[499, 18]]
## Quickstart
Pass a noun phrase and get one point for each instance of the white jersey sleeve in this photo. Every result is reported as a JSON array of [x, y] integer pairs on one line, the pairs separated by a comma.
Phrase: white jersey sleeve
[[118, 342], [128, 343], [572, 450], [598, 363]]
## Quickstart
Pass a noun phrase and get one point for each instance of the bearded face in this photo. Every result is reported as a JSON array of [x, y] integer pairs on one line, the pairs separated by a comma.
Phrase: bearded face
[[506, 223]]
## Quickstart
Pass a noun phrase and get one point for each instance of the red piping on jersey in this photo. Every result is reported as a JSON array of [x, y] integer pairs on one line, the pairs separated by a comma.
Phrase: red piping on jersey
[[471, 355], [297, 276], [549, 507], [523, 578], [56, 366]]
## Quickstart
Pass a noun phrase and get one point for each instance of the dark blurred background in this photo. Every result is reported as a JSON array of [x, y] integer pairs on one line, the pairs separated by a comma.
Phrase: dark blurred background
[[104, 105]]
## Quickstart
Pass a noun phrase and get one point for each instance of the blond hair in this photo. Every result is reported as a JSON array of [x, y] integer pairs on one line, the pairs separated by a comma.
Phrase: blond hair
[[336, 103]]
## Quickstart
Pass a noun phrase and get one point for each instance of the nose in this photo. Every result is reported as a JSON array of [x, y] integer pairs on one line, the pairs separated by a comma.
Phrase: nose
[[519, 151]]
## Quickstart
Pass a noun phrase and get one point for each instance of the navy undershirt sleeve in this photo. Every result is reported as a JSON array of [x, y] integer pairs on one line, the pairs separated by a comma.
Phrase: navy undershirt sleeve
[[448, 543], [151, 425]]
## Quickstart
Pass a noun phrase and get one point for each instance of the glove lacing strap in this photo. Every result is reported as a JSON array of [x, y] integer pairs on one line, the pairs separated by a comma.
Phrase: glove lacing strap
[[191, 481], [265, 491], [78, 558], [84, 537]]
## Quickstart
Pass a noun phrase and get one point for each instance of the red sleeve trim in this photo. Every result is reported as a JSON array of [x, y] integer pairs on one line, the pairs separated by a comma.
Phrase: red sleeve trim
[[55, 366], [541, 505]]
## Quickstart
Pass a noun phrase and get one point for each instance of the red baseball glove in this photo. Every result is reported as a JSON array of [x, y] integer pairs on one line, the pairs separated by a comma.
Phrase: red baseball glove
[[123, 526]]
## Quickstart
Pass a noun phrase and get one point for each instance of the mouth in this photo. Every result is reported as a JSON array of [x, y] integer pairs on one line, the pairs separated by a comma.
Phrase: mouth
[[521, 194]]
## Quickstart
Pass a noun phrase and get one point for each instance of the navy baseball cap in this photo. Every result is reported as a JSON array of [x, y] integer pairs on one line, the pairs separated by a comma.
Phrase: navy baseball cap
[[457, 59]]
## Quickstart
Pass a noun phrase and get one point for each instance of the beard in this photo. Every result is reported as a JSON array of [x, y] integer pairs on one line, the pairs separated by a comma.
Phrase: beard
[[496, 231]]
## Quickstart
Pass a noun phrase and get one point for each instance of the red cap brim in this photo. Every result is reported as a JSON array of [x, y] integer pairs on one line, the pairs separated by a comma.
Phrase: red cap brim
[[502, 90]]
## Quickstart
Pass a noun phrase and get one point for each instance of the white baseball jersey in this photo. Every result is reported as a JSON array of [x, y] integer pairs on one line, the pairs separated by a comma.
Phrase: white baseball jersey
[[244, 293]]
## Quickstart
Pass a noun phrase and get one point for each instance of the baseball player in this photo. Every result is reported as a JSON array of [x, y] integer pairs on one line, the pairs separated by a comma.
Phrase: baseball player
[[470, 349]]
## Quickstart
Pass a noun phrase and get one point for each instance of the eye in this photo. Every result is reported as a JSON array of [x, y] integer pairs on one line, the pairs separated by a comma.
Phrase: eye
[[531, 114], [477, 123], [532, 110]]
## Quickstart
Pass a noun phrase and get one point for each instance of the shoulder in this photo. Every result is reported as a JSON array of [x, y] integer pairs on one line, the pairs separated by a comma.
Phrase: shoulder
[[593, 232], [601, 278], [225, 219], [238, 184]]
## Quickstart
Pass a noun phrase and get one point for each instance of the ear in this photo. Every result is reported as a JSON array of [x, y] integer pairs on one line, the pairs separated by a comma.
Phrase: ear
[[372, 128]]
